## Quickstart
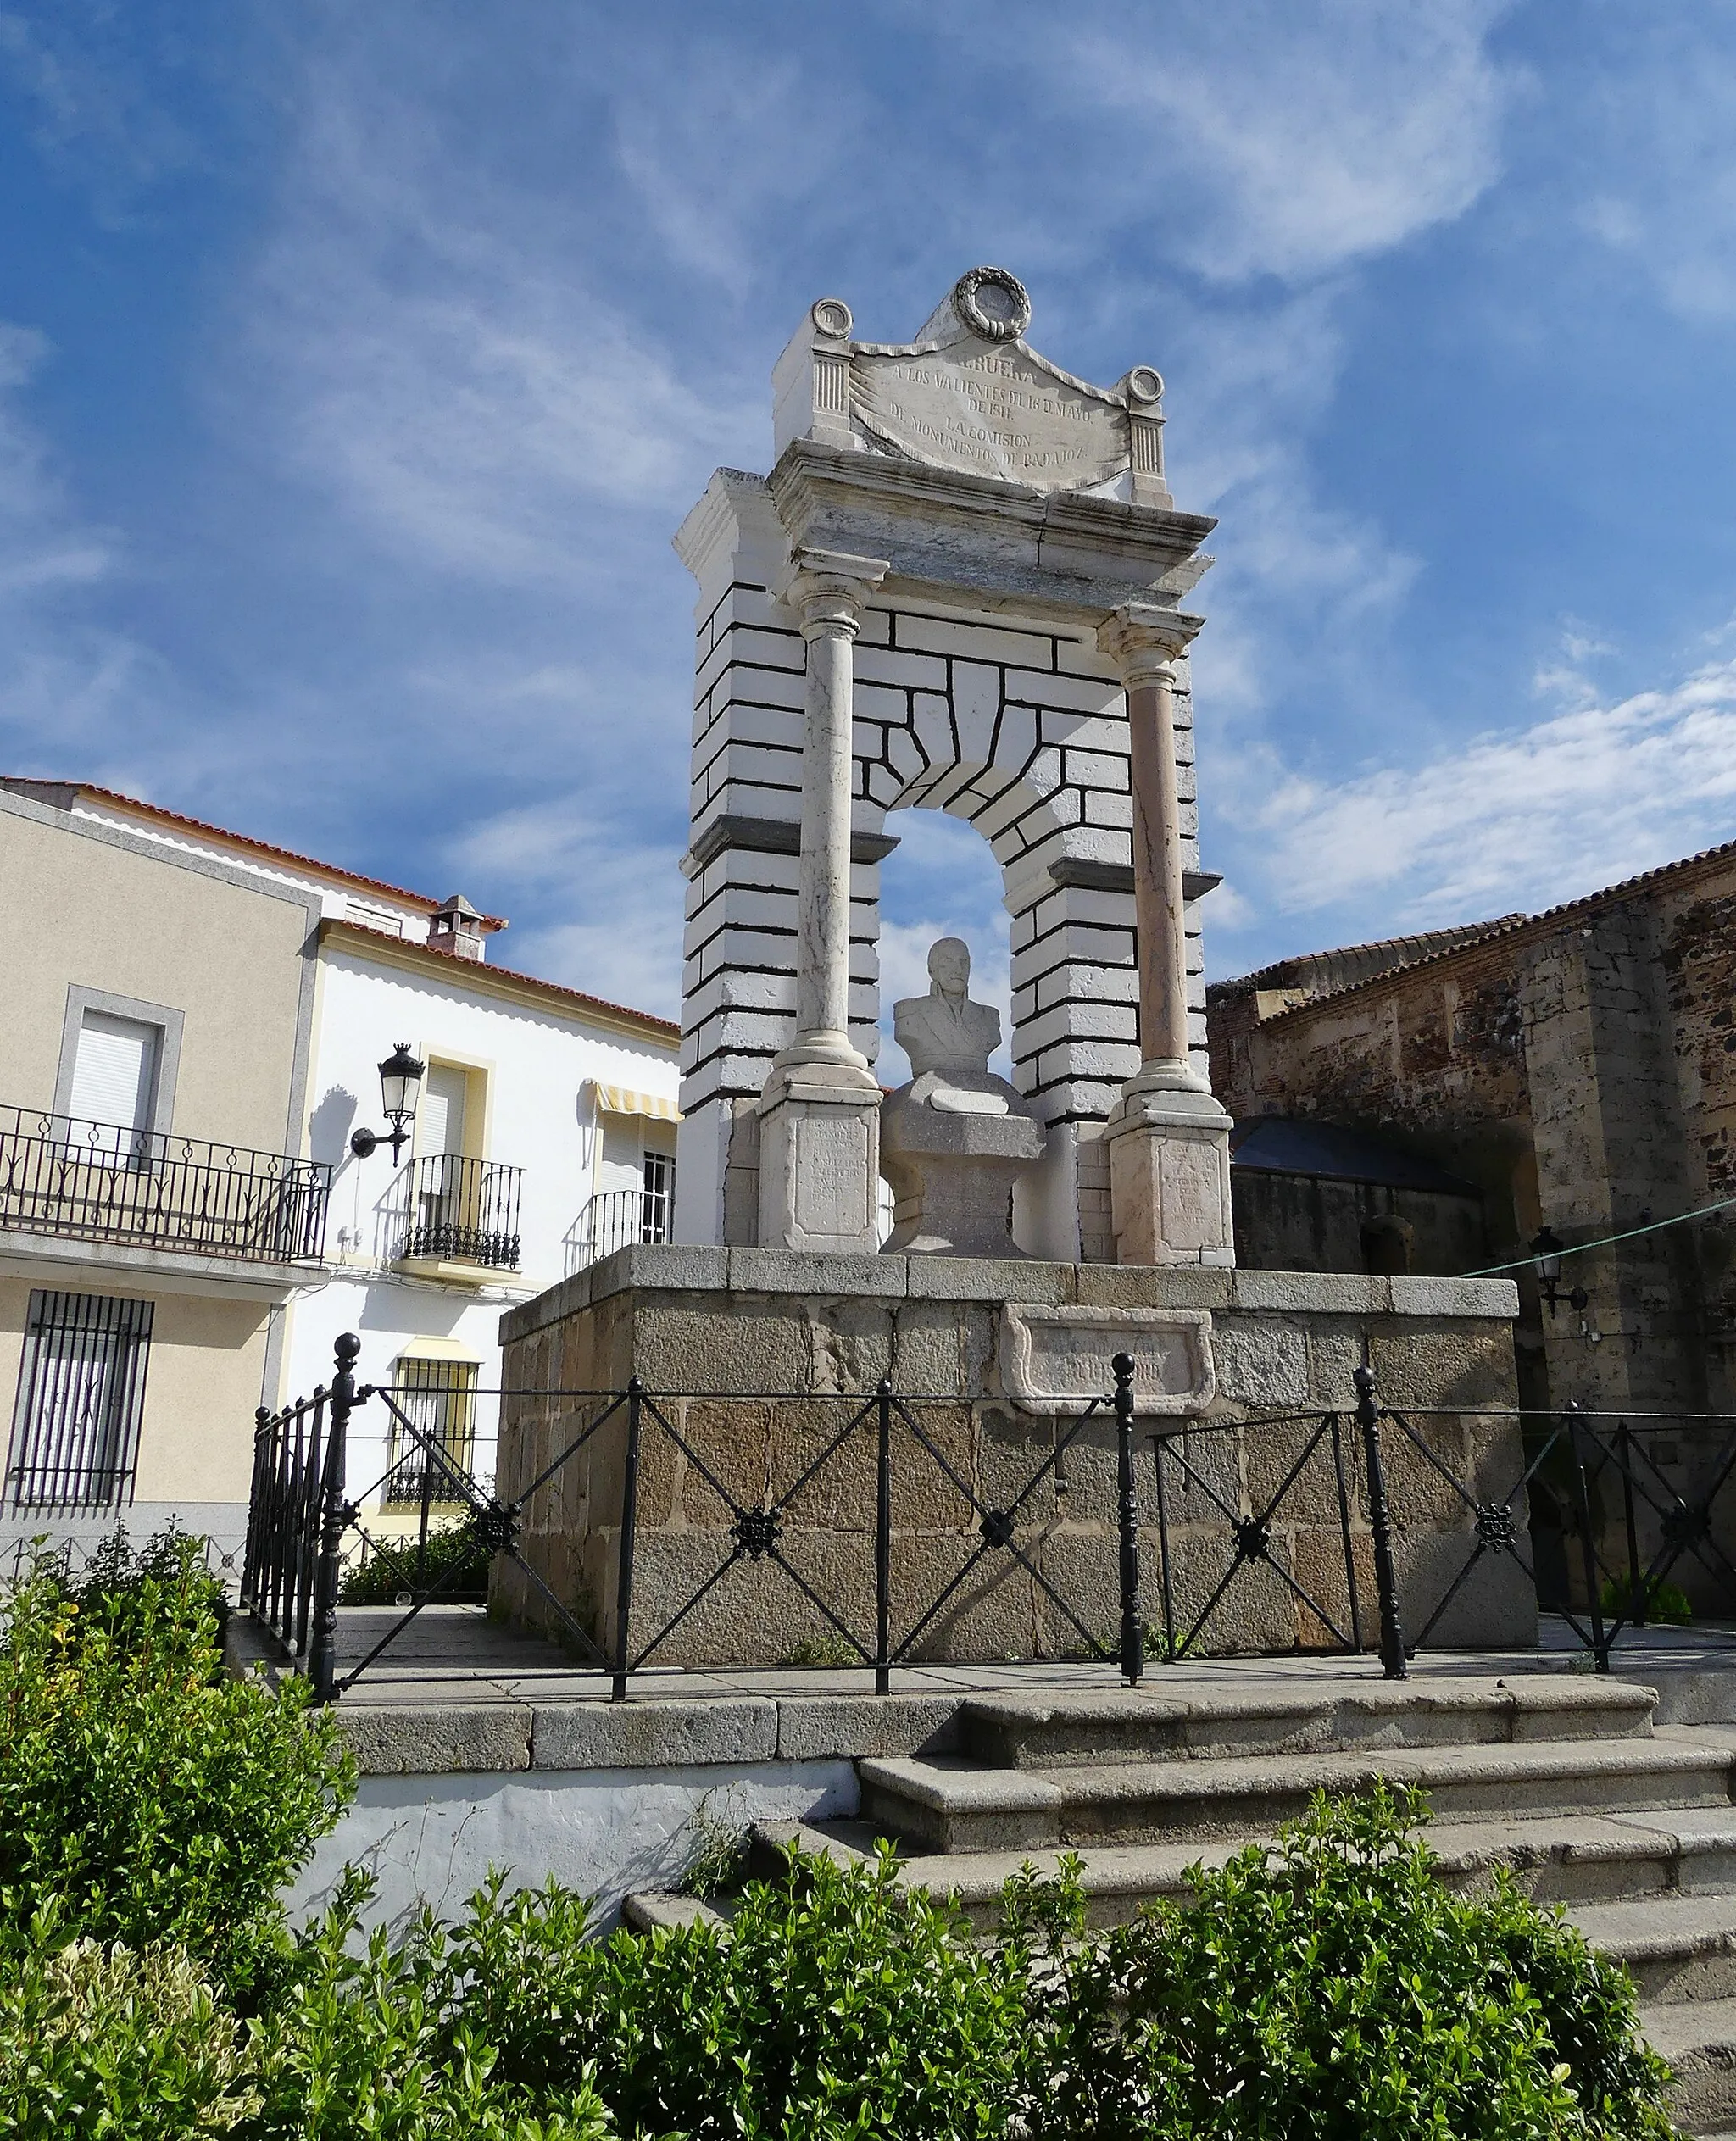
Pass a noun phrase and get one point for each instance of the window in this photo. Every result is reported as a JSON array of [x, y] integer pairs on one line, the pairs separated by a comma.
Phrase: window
[[114, 1085], [441, 1179], [80, 1396], [660, 1188], [439, 1399]]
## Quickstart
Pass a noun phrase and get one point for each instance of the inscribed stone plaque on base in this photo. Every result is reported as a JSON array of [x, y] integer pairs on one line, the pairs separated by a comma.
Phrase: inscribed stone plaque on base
[[1058, 1360]]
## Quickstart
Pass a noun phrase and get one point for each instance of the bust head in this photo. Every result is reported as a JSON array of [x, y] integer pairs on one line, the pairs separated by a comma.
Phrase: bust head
[[949, 967]]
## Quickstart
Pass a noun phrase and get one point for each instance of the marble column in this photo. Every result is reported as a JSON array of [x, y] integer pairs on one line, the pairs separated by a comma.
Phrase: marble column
[[820, 1112], [1168, 1139]]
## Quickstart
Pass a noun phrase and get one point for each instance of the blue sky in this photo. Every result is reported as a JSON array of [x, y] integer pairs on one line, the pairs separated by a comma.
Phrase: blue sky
[[356, 363]]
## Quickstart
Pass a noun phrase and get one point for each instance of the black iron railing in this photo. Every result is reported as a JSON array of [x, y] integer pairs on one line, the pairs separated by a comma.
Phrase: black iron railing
[[100, 1181], [616, 1219], [457, 1211], [885, 1454]]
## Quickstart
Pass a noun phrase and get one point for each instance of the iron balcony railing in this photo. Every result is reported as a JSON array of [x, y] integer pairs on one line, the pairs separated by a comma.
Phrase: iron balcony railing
[[619, 1218], [460, 1211], [102, 1182]]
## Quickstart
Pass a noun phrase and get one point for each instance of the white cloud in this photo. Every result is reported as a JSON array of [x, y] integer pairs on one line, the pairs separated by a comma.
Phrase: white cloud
[[1324, 134], [1527, 818], [448, 373]]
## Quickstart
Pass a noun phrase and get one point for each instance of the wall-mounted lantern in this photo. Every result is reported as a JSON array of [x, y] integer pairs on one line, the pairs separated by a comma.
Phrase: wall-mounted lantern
[[1547, 1251], [400, 1081]]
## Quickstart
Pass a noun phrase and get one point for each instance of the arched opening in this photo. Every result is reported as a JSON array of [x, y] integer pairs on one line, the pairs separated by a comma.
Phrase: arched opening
[[942, 880]]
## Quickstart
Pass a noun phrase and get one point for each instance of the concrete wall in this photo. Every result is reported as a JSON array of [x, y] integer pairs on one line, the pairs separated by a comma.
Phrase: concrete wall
[[718, 1321]]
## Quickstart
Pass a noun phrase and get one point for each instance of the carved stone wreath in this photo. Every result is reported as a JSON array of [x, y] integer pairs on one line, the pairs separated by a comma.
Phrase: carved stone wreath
[[1002, 321]]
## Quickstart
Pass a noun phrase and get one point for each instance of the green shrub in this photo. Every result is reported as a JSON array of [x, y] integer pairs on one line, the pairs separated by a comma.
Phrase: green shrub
[[160, 1801], [402, 2041], [1331, 1986], [392, 1569], [104, 2042], [1666, 1604]]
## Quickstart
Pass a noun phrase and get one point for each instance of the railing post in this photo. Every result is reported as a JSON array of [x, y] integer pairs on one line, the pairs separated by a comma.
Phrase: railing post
[[1587, 1544], [1636, 1586], [882, 1539], [1133, 1629], [1380, 1524], [629, 1527], [1163, 1551], [322, 1654], [256, 1499]]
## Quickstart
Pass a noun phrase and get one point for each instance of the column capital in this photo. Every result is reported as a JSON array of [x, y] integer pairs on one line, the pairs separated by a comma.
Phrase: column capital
[[830, 589], [1142, 640]]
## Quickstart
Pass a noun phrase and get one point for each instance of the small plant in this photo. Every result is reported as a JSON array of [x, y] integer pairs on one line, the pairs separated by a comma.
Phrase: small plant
[[718, 1865], [98, 2040], [1666, 1604], [828, 1649], [400, 1569]]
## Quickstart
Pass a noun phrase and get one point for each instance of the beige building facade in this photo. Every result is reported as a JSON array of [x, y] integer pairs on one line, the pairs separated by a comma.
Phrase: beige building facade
[[155, 1216]]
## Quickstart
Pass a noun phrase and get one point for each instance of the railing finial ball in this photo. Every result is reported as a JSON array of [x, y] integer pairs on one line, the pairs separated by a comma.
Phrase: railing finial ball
[[347, 1349]]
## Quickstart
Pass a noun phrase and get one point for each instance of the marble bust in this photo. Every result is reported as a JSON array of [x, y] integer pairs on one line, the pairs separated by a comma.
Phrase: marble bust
[[949, 1039], [955, 1139]]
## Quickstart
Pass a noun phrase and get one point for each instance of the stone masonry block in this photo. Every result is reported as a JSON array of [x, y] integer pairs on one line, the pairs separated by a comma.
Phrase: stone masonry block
[[653, 1734], [405, 1739]]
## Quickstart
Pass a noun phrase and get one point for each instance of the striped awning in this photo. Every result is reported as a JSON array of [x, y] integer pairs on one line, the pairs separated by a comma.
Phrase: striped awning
[[622, 1100]]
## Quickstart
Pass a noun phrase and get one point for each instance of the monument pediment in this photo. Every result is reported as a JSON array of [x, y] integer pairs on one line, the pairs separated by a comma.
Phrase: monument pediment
[[989, 409], [971, 396]]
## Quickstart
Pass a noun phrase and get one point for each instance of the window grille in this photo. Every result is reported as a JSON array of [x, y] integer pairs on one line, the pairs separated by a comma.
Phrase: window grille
[[81, 1398], [440, 1398]]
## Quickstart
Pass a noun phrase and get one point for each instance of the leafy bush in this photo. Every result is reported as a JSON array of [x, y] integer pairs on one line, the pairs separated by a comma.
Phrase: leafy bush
[[403, 2041], [1330, 1985], [1666, 1604], [98, 2040], [392, 1569], [160, 1801], [835, 2003]]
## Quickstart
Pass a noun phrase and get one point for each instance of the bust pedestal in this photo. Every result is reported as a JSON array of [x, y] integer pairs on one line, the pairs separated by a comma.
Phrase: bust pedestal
[[954, 1141]]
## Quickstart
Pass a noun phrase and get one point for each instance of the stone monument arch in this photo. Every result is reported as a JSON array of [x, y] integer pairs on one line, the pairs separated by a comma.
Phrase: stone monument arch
[[961, 587]]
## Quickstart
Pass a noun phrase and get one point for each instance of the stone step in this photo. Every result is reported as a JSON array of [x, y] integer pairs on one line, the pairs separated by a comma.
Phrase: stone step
[[1567, 1859], [1677, 1948], [1061, 1728], [1698, 2038], [946, 1803]]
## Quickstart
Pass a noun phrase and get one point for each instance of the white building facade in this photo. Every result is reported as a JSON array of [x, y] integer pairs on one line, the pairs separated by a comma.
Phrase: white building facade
[[544, 1137]]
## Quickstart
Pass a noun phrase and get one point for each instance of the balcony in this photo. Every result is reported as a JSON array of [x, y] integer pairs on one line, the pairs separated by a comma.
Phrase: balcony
[[459, 1213], [97, 1181], [615, 1220]]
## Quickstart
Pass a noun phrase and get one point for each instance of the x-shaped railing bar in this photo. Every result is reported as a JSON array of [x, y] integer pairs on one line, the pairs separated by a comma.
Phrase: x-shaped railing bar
[[1251, 1535], [1492, 1535], [496, 1529], [1686, 1524], [756, 1531], [996, 1528]]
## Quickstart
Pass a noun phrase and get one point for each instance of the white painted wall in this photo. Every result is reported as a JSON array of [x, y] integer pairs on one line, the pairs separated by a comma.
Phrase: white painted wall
[[541, 1117], [606, 1832]]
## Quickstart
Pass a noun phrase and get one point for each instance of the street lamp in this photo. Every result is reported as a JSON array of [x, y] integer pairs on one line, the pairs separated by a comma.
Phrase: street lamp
[[400, 1080], [1546, 1251]]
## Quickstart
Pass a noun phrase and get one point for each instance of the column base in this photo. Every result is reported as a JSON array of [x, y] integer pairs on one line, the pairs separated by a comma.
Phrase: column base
[[820, 1157], [1168, 1142]]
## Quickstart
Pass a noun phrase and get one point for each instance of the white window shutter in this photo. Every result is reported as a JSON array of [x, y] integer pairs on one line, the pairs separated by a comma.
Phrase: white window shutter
[[440, 1120], [114, 1077]]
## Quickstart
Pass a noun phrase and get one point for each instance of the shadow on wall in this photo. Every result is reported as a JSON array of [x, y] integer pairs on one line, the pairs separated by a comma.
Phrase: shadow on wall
[[1312, 1197], [329, 1126]]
